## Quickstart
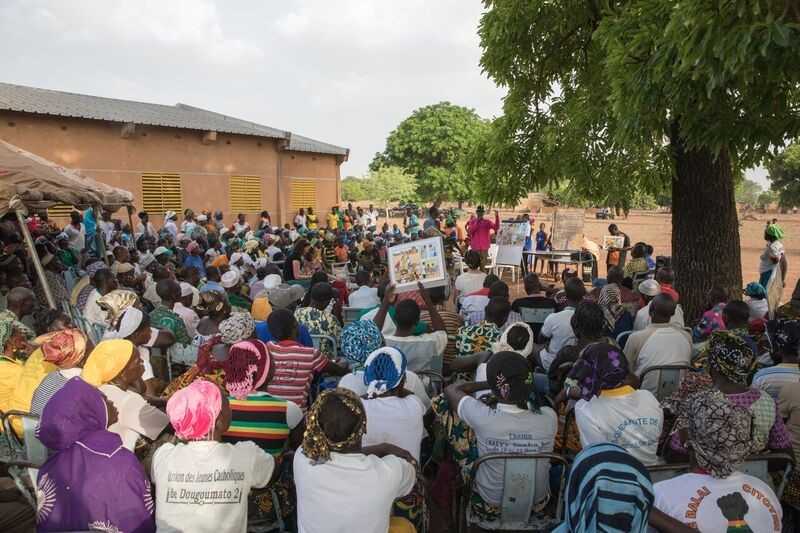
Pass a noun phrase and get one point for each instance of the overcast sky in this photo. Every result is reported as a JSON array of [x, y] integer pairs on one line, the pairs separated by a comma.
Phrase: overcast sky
[[341, 71]]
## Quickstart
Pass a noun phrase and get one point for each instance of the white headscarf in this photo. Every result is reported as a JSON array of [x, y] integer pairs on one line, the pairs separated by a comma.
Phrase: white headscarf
[[503, 346]]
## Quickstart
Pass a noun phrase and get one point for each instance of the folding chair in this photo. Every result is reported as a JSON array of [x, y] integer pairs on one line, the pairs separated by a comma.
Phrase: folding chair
[[351, 314], [622, 338], [761, 465], [24, 458], [535, 317], [669, 379], [319, 339], [519, 492], [180, 354], [667, 471]]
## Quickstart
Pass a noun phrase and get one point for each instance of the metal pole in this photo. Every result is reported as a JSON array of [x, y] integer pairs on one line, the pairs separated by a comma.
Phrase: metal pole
[[35, 257]]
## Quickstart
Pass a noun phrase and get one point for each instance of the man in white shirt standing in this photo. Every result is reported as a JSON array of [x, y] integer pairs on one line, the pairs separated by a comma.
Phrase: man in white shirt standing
[[334, 473], [300, 219], [373, 216], [649, 289], [103, 282], [660, 343], [557, 327], [366, 296]]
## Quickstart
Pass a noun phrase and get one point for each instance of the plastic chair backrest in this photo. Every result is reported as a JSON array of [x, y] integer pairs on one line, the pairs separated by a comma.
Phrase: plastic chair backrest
[[351, 314], [519, 488], [669, 379], [622, 338], [535, 315], [433, 382], [667, 471]]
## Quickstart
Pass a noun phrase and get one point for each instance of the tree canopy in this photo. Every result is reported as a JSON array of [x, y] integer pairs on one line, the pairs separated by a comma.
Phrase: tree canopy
[[353, 189], [386, 184], [747, 191], [431, 145], [643, 94], [784, 172]]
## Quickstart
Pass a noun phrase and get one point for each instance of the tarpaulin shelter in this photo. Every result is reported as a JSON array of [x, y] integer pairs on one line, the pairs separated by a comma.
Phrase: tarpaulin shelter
[[30, 182]]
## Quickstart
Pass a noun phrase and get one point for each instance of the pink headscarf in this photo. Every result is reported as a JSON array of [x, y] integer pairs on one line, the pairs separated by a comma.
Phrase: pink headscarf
[[193, 410]]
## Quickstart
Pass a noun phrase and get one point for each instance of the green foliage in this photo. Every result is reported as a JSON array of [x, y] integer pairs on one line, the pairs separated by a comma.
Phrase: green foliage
[[784, 172], [596, 89], [390, 184], [767, 198], [432, 144], [747, 191], [353, 189]]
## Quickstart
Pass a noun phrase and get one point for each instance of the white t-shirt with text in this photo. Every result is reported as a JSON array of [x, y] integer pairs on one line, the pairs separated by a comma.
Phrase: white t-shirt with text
[[508, 429], [694, 499], [624, 416], [202, 486]]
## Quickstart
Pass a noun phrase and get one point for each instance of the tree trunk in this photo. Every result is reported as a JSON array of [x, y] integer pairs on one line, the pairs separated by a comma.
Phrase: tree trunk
[[706, 250]]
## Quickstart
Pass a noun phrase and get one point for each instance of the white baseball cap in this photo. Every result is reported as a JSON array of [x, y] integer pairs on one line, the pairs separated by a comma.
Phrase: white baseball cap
[[650, 287], [230, 279]]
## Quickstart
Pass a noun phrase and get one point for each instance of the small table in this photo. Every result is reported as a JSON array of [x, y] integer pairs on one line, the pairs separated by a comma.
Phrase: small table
[[558, 257]]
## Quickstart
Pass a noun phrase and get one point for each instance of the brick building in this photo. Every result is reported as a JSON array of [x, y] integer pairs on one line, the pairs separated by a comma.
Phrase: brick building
[[174, 157]]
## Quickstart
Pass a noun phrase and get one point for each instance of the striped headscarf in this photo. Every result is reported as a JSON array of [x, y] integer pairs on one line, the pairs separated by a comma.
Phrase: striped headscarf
[[608, 490], [610, 300], [237, 327], [720, 433], [384, 370], [317, 445], [730, 355], [193, 410], [600, 366], [247, 367], [358, 340]]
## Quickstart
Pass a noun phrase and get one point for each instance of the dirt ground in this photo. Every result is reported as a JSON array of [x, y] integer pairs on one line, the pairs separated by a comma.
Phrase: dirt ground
[[655, 229]]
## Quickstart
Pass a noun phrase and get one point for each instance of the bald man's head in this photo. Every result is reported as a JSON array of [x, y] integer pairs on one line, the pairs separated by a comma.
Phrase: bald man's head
[[662, 307], [21, 301]]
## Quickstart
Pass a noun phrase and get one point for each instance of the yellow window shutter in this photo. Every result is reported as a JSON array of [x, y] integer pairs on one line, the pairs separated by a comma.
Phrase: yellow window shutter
[[303, 194], [60, 211], [162, 193], [245, 193]]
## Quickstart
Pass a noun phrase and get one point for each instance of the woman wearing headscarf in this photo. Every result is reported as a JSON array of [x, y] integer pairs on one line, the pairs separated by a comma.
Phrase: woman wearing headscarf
[[756, 300], [202, 484], [236, 328], [91, 482], [730, 365], [503, 421], [333, 471], [617, 317], [394, 416], [360, 339], [114, 366], [272, 423], [609, 409], [66, 350], [58, 350], [714, 496], [773, 255], [608, 490]]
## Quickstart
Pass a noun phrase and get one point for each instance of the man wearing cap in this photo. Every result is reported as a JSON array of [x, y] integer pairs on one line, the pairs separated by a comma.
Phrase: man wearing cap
[[662, 342], [194, 258], [649, 289], [478, 230], [183, 308], [232, 283], [169, 224]]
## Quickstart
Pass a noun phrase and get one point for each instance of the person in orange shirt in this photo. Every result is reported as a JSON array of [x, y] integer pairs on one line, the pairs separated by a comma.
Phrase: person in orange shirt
[[342, 252]]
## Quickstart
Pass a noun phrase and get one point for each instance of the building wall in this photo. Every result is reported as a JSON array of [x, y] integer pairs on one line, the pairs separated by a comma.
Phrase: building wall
[[97, 149]]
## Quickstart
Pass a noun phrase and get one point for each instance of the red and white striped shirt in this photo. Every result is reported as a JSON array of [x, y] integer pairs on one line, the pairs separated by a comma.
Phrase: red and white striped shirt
[[295, 367]]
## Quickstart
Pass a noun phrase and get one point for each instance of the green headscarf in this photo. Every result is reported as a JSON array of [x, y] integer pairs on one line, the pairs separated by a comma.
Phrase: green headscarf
[[775, 231]]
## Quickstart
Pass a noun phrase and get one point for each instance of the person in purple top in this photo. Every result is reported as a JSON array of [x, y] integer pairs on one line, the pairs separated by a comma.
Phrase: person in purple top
[[91, 482]]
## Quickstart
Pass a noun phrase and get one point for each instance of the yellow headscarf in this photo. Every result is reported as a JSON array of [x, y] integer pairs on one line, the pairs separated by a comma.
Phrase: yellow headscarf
[[106, 361]]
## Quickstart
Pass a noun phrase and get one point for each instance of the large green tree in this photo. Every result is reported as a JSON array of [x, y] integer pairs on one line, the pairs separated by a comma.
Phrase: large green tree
[[784, 173], [354, 189], [645, 93], [432, 144]]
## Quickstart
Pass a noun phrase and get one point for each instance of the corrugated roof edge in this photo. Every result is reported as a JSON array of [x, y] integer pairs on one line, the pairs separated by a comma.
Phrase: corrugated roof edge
[[237, 126]]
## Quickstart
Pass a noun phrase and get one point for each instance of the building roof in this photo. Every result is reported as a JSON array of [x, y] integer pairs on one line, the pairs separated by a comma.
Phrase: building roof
[[48, 102]]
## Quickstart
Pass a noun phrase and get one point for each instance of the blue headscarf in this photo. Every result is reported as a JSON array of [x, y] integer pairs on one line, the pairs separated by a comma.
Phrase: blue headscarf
[[358, 340], [609, 490], [384, 370]]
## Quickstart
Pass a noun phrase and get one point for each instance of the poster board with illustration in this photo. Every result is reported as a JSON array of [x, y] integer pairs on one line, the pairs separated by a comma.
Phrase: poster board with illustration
[[416, 261], [567, 229], [510, 241], [613, 241]]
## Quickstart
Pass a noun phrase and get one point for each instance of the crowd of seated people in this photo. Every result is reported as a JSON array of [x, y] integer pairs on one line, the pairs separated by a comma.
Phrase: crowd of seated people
[[213, 377]]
